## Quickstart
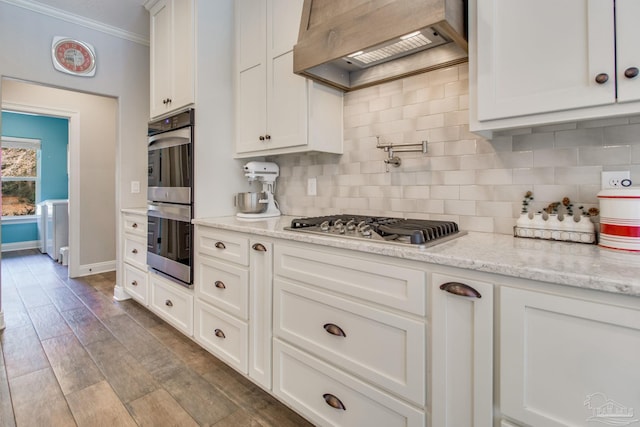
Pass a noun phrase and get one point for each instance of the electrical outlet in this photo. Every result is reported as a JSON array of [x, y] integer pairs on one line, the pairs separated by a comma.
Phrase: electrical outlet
[[616, 179], [135, 186], [311, 187]]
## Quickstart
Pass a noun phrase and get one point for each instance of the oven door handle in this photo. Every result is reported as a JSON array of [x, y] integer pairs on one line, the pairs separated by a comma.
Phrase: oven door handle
[[169, 211], [170, 139]]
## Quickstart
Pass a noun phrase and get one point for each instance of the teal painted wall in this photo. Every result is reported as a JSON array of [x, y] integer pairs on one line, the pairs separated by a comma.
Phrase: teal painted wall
[[53, 133]]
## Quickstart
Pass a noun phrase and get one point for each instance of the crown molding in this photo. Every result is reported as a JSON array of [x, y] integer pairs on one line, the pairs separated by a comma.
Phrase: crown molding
[[79, 20]]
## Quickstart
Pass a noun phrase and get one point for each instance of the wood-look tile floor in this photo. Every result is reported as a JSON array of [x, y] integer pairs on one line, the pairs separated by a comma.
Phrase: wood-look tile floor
[[72, 356]]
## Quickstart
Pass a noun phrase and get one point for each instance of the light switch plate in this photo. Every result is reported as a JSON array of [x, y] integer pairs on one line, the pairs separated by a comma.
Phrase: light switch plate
[[312, 187], [135, 186]]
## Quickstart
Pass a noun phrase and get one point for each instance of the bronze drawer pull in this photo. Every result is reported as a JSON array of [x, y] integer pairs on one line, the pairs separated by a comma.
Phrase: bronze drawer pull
[[219, 284], [333, 401], [134, 251], [219, 333], [631, 72], [220, 245], [259, 247], [168, 303], [134, 283], [460, 289], [134, 225], [334, 330], [602, 78], [261, 138]]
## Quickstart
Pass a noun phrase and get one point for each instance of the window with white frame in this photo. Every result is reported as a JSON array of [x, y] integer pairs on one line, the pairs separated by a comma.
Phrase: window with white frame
[[20, 176]]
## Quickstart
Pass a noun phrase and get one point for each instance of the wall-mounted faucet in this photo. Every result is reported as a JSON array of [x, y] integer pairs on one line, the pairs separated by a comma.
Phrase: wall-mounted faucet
[[391, 149]]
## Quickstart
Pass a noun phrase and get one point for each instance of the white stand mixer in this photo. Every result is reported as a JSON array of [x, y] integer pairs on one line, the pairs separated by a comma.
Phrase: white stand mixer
[[265, 172]]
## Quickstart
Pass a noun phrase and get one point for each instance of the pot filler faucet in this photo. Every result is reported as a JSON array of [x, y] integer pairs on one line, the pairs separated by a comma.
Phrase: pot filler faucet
[[391, 148]]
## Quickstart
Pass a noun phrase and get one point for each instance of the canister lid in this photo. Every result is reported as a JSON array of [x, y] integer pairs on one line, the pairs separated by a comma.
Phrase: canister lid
[[620, 193]]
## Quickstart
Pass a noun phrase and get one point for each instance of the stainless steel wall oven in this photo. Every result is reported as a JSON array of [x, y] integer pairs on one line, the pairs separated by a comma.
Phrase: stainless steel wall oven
[[170, 197]]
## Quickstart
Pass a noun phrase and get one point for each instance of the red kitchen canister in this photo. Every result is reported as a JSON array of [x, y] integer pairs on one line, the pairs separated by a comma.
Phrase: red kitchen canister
[[620, 218]]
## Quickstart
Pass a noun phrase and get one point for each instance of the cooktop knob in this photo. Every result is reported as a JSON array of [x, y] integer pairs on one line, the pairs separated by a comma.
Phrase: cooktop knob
[[324, 226]]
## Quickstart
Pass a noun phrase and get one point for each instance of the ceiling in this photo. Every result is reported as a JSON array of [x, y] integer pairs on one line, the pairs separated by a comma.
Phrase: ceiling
[[128, 16]]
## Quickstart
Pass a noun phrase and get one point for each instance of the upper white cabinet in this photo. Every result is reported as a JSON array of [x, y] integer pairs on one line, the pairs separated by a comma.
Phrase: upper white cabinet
[[172, 56], [542, 62], [276, 110]]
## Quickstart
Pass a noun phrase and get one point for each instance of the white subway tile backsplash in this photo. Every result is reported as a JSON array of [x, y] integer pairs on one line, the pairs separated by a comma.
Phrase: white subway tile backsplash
[[476, 182], [612, 155]]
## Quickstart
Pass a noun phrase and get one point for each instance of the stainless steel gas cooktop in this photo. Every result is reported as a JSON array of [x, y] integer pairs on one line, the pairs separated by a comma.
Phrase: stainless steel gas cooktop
[[417, 232]]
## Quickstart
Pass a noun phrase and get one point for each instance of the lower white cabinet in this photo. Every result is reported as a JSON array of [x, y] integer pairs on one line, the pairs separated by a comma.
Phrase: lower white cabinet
[[222, 334], [172, 302], [462, 352], [566, 361], [327, 396], [136, 283]]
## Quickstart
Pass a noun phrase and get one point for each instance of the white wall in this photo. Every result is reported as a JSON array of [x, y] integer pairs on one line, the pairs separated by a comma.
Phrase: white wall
[[122, 73]]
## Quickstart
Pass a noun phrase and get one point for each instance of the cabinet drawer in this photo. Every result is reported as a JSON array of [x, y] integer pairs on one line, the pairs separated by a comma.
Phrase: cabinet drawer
[[375, 279], [384, 348], [224, 245], [223, 335], [303, 382], [135, 225], [135, 251], [224, 285], [136, 283], [172, 302]]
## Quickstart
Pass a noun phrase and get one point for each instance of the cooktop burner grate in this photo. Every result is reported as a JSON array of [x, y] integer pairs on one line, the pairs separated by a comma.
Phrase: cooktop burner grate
[[395, 230]]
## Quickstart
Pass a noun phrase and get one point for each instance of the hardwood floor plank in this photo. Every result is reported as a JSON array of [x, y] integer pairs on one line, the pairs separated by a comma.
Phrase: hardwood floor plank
[[253, 400], [204, 402], [23, 353], [101, 305], [7, 418], [160, 409], [71, 364], [33, 295], [48, 322], [85, 325], [38, 400], [63, 298], [98, 405], [240, 418], [125, 374]]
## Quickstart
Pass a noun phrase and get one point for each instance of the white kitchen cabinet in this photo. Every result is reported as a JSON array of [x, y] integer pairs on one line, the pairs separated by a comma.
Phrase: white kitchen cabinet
[[277, 111], [462, 352], [172, 302], [172, 54], [328, 396], [365, 316], [233, 300], [134, 256], [567, 361], [542, 62]]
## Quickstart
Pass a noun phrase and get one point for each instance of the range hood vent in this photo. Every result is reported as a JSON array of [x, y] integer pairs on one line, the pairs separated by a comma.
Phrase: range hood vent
[[360, 43]]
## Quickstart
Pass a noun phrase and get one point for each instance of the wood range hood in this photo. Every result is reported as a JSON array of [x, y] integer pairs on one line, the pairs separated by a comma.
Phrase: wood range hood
[[359, 43]]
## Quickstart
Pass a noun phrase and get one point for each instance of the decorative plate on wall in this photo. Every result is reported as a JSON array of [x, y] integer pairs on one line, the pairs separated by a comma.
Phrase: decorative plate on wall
[[73, 57]]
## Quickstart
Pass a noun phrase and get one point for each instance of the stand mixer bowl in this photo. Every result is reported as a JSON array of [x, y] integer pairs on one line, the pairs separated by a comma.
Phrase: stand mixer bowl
[[252, 202]]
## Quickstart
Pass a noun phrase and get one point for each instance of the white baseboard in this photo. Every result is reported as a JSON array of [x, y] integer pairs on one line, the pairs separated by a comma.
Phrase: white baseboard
[[19, 246], [119, 294], [99, 267]]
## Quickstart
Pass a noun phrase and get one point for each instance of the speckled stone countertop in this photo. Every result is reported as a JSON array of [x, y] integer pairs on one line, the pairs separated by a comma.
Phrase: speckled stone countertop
[[572, 264]]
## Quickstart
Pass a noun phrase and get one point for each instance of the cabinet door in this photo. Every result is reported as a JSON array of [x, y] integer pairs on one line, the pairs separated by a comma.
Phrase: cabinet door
[[628, 54], [567, 362], [462, 353], [251, 78], [543, 56], [261, 285], [183, 55], [160, 56]]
